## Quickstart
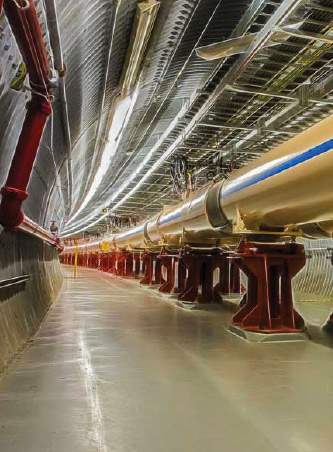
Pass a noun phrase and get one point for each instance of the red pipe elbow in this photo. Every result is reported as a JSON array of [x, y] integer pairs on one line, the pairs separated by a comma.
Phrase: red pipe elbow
[[14, 191], [29, 38], [26, 28], [11, 215]]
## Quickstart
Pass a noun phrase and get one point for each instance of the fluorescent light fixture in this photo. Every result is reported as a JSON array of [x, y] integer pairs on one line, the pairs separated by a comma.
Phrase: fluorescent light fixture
[[230, 47], [122, 114], [143, 24], [129, 180]]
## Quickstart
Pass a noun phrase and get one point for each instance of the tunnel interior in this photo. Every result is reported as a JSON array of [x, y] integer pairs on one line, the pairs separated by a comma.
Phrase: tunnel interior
[[166, 225]]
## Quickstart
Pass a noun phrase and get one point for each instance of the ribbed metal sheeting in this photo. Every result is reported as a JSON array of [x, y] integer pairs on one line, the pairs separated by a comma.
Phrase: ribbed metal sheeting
[[163, 43], [220, 20], [86, 31], [12, 103], [12, 113], [281, 68], [183, 30], [223, 17], [315, 281]]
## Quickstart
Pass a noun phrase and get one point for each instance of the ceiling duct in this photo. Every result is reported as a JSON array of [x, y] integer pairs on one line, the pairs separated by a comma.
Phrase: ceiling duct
[[143, 24], [235, 46], [226, 48]]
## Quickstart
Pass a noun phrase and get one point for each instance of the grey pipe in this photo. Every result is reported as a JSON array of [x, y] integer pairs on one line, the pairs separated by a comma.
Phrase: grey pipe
[[52, 21]]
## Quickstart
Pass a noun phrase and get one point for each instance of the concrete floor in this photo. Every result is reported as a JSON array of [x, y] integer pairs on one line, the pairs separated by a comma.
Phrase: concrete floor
[[115, 367]]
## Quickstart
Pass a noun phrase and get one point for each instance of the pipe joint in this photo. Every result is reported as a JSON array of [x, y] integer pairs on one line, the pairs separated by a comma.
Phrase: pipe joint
[[62, 71], [14, 193], [215, 214], [11, 215], [39, 104]]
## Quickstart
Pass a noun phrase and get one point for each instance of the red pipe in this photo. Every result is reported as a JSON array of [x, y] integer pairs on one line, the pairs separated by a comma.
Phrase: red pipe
[[27, 31], [29, 38], [13, 193]]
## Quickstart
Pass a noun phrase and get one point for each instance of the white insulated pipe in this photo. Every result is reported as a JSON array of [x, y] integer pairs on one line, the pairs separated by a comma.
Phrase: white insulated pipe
[[288, 187]]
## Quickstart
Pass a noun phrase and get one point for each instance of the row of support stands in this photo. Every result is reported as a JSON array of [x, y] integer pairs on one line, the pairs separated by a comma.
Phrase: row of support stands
[[190, 274], [203, 276]]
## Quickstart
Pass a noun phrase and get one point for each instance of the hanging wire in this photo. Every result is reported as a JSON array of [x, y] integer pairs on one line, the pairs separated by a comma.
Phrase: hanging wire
[[180, 175]]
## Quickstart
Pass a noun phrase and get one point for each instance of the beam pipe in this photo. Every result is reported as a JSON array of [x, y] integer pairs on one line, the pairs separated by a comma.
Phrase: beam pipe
[[288, 187]]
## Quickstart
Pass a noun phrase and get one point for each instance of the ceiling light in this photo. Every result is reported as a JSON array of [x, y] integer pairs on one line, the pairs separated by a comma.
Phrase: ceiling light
[[131, 178], [143, 23]]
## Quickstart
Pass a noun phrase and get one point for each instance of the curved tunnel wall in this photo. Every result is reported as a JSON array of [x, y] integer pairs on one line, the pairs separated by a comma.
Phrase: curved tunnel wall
[[23, 306], [45, 202]]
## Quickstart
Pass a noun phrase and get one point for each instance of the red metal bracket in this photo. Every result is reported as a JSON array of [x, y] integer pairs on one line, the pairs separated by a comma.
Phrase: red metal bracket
[[196, 270], [137, 265], [151, 269], [167, 262], [269, 302]]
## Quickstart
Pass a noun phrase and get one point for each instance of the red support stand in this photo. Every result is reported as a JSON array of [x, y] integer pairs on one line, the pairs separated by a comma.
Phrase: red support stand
[[137, 265], [191, 287], [148, 269], [120, 264], [104, 260], [234, 285], [151, 269], [95, 260], [113, 263], [181, 276], [168, 262], [129, 265], [124, 267], [269, 303], [196, 270], [223, 286]]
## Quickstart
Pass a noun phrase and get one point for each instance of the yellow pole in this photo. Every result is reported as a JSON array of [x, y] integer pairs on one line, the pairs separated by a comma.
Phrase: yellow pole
[[75, 258]]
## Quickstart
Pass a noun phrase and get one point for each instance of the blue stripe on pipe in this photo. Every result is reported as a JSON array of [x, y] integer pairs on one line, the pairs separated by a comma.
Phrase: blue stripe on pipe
[[294, 161]]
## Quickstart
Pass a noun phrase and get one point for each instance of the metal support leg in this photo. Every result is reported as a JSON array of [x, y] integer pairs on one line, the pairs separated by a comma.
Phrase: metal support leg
[[269, 304], [168, 262], [234, 279], [137, 265], [148, 269]]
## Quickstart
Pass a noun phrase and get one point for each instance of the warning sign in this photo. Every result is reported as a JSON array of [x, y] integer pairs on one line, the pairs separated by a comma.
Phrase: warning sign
[[105, 246]]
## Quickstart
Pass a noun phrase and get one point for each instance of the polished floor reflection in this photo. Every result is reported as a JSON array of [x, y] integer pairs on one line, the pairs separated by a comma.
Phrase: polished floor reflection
[[115, 367]]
